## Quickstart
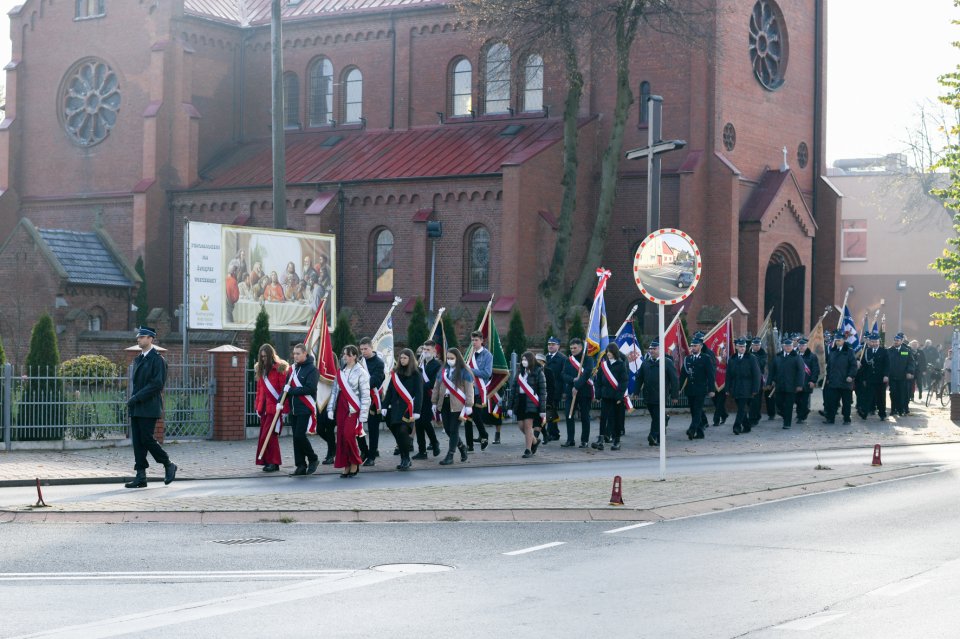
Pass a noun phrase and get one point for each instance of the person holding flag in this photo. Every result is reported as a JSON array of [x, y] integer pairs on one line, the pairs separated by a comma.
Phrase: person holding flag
[[481, 365], [876, 371], [271, 374], [629, 345], [611, 385], [743, 383], [811, 370], [374, 366], [301, 388], [787, 378], [350, 406], [429, 371], [578, 390], [838, 385], [401, 406], [649, 385], [699, 376], [553, 370], [756, 403], [452, 401], [529, 402]]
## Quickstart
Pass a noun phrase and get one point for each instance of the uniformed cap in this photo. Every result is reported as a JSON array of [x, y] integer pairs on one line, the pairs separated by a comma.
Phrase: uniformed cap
[[540, 357], [654, 344], [696, 340], [804, 340], [740, 342], [553, 340], [839, 335], [899, 336], [786, 340], [873, 336], [698, 334], [757, 340], [146, 331]]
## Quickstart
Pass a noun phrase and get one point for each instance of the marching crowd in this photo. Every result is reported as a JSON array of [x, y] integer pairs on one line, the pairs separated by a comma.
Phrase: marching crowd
[[430, 390]]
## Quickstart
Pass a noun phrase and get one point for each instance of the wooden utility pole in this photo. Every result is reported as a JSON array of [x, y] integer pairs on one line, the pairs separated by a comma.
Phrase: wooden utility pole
[[279, 157]]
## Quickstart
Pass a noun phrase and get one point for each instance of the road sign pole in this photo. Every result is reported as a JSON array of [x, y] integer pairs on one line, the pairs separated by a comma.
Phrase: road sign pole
[[663, 396]]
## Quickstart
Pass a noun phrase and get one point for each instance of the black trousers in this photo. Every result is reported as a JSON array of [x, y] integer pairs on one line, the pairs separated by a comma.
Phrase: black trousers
[[785, 402], [141, 436], [877, 399], [834, 398], [655, 421], [771, 401], [425, 429], [756, 403], [611, 418], [327, 429], [553, 416], [581, 406], [898, 396], [302, 449], [697, 418], [803, 404], [478, 419], [720, 407], [743, 413], [401, 432], [373, 434], [451, 425]]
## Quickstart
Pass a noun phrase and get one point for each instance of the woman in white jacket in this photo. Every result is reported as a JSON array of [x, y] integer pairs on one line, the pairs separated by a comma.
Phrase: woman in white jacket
[[349, 406]]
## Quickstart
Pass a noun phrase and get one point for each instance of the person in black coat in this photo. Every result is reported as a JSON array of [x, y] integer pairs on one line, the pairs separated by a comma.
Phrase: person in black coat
[[579, 377], [811, 377], [400, 414], [611, 384], [787, 376], [553, 365], [757, 350], [146, 407], [876, 371], [743, 383], [529, 402], [902, 369], [699, 377], [303, 408], [374, 365], [648, 386], [838, 385], [429, 370]]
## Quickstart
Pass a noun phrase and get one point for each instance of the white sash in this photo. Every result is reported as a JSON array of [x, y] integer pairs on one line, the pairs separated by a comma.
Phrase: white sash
[[577, 367], [423, 372], [481, 385], [608, 374], [273, 391], [306, 399], [527, 390], [453, 389], [351, 395], [403, 392]]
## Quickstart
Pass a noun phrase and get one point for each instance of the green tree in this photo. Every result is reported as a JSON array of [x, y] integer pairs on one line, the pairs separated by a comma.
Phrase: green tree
[[140, 301], [261, 336], [417, 331], [3, 354], [450, 331], [342, 334], [41, 403], [516, 338], [575, 329]]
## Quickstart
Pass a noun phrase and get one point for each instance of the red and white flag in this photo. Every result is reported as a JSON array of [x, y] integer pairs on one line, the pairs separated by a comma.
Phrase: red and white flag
[[675, 342], [718, 341], [320, 345]]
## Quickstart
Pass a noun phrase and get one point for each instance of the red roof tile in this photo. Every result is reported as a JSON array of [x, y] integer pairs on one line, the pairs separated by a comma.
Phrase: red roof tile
[[475, 149], [251, 12], [763, 195]]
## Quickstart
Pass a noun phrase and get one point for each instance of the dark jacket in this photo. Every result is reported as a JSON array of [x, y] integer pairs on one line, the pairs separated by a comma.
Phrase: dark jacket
[[375, 368], [309, 377], [537, 381], [902, 362], [876, 365], [572, 379], [553, 370], [743, 376], [700, 375], [621, 376], [813, 363], [432, 369], [786, 371], [841, 364], [648, 380], [395, 405], [149, 376], [761, 356]]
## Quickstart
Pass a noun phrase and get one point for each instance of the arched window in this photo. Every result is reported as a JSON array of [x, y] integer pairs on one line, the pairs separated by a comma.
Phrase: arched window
[[353, 96], [383, 262], [533, 83], [478, 255], [462, 88], [644, 106], [321, 92], [291, 101], [497, 79]]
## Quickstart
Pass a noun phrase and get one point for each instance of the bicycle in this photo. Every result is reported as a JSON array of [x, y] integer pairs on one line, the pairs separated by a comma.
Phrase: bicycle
[[939, 387]]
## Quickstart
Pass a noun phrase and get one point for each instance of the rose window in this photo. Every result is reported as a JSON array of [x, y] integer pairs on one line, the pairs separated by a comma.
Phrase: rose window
[[768, 44], [803, 155], [90, 102], [729, 136]]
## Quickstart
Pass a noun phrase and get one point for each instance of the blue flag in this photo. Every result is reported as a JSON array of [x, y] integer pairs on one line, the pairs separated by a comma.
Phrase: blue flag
[[849, 329], [598, 335], [627, 342]]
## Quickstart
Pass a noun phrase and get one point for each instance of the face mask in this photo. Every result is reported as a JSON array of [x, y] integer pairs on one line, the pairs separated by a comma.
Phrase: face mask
[[451, 361], [524, 363], [611, 358], [427, 355]]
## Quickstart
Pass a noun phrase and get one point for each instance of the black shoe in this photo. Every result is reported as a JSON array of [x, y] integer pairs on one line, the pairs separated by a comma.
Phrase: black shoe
[[496, 438], [651, 440], [882, 417], [396, 451], [327, 460], [746, 429], [470, 449], [271, 468], [583, 445], [822, 414], [169, 473], [599, 446], [404, 465], [770, 418], [616, 446], [301, 470], [420, 455], [535, 446], [345, 475], [846, 421], [436, 449], [370, 461], [446, 461], [861, 415], [691, 433], [463, 452], [829, 421], [607, 439], [527, 454], [484, 443], [140, 481], [568, 444], [700, 435], [786, 427], [737, 430], [312, 466]]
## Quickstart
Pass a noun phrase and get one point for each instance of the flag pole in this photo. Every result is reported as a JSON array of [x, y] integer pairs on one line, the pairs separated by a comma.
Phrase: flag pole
[[583, 353], [662, 372], [719, 324], [627, 321], [843, 313]]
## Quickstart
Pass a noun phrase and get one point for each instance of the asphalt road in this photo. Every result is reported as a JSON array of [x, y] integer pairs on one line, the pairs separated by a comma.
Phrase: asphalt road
[[876, 561], [661, 281]]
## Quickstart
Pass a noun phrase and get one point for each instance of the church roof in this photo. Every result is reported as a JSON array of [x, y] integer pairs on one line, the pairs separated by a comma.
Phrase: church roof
[[355, 155], [252, 12], [85, 257]]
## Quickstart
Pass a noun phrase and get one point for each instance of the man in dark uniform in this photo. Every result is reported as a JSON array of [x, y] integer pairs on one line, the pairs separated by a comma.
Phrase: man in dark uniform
[[758, 352], [553, 371], [648, 385], [374, 365], [787, 377], [429, 369], [811, 369], [578, 377], [146, 407], [743, 383], [838, 385], [876, 364], [302, 395], [903, 367], [699, 377]]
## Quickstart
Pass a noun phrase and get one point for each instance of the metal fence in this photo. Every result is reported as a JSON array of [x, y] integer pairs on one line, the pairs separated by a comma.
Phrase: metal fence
[[47, 405]]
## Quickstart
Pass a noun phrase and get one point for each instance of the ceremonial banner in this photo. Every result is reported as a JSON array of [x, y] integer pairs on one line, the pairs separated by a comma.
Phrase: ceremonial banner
[[501, 371], [630, 347], [439, 335], [382, 343], [718, 341], [598, 335], [849, 329], [675, 342], [817, 345]]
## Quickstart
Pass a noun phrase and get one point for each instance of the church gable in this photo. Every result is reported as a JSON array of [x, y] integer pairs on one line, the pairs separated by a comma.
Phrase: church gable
[[778, 204]]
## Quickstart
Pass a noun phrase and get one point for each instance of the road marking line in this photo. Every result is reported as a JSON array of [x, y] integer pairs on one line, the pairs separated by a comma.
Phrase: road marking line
[[535, 548], [640, 525], [179, 573], [808, 623], [195, 611], [899, 588]]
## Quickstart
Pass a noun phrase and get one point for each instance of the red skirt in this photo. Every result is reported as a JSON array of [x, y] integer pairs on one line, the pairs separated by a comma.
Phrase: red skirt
[[272, 454], [348, 429]]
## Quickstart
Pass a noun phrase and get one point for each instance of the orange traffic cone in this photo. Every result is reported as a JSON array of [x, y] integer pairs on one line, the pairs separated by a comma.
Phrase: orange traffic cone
[[616, 496], [876, 456]]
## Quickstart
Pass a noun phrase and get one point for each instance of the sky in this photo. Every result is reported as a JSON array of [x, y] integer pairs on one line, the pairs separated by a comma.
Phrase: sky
[[883, 60]]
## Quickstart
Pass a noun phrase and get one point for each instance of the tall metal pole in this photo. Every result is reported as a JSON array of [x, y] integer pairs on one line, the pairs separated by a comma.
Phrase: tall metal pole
[[433, 271], [279, 157], [955, 363], [654, 134], [663, 395], [185, 310]]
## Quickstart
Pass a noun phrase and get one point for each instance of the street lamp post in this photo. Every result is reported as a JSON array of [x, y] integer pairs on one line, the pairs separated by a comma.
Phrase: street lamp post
[[901, 286], [434, 232]]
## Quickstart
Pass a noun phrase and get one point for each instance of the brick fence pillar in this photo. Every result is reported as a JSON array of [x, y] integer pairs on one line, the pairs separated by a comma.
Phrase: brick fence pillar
[[230, 400], [132, 352]]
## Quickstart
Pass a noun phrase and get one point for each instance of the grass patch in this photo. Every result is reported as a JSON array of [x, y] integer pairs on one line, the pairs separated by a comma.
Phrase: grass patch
[[451, 518], [287, 520]]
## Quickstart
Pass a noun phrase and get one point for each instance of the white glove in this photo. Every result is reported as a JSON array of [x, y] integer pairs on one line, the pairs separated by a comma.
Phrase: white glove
[[383, 412], [279, 425], [468, 410], [279, 407], [509, 414], [543, 417], [416, 416], [286, 389], [329, 415]]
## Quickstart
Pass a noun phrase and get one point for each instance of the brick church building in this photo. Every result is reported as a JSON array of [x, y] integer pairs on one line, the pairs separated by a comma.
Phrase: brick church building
[[125, 117]]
